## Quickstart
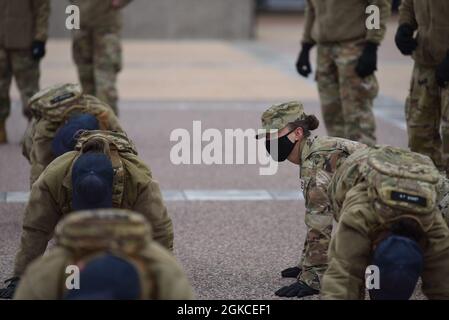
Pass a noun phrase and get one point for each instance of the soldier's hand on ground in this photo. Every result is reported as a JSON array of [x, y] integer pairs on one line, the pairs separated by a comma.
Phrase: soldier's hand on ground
[[367, 63], [38, 50], [291, 272], [303, 65], [8, 292], [298, 289], [404, 39], [442, 72]]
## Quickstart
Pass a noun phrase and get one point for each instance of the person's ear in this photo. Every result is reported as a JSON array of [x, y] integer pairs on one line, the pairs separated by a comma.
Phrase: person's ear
[[299, 133]]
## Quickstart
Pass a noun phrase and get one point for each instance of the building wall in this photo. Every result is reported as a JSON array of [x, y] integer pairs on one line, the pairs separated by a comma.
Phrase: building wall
[[172, 19]]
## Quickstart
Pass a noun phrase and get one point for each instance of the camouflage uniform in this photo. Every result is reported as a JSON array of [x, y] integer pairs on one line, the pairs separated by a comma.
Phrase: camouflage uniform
[[97, 50], [51, 196], [374, 188], [346, 99], [85, 235], [51, 108], [427, 106], [21, 23], [319, 158]]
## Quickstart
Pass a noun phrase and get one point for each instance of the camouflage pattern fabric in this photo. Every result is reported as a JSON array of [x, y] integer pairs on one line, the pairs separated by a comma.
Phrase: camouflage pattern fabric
[[346, 21], [98, 57], [280, 115], [346, 99], [374, 188], [25, 70], [320, 158], [84, 235], [51, 108], [427, 111], [104, 229]]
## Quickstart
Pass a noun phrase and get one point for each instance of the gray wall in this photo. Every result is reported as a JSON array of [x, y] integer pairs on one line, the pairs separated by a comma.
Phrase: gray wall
[[172, 19]]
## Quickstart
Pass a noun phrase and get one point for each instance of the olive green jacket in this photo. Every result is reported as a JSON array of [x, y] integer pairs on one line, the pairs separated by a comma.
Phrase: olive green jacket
[[164, 279], [360, 225], [351, 246], [22, 22], [430, 19], [51, 197], [332, 21]]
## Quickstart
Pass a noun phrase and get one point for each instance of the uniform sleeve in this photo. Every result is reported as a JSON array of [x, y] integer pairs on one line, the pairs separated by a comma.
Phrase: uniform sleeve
[[348, 259], [435, 284], [40, 219], [171, 281], [41, 12], [44, 278], [150, 203], [407, 13], [377, 35], [310, 20]]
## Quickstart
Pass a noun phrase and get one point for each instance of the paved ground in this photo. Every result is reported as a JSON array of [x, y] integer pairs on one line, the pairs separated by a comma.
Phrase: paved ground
[[239, 229]]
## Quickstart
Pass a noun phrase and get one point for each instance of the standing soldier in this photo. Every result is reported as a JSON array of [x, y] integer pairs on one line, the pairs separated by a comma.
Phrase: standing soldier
[[347, 59], [385, 201], [96, 48], [317, 158], [427, 106], [23, 33]]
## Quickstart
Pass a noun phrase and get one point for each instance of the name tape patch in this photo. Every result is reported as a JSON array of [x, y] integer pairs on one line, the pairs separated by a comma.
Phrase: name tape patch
[[405, 197], [63, 97]]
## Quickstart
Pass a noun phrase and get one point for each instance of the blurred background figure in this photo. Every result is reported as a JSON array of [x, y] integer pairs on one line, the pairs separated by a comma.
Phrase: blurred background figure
[[97, 49], [23, 33], [427, 106], [117, 259]]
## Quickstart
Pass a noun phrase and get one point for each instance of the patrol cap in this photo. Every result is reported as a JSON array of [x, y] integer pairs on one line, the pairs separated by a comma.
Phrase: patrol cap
[[104, 230], [400, 261], [92, 181], [107, 277], [280, 115], [65, 138]]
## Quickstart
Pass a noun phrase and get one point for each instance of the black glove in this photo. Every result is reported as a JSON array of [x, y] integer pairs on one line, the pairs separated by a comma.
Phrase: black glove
[[404, 39], [367, 63], [298, 289], [291, 272], [442, 72], [303, 63], [38, 50], [8, 292]]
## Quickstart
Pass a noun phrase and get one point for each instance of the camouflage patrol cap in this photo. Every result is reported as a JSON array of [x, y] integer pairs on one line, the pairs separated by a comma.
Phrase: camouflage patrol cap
[[55, 96], [119, 139], [104, 230], [280, 115]]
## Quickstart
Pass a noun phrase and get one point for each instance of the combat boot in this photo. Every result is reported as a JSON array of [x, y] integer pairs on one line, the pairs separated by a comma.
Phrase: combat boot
[[3, 137]]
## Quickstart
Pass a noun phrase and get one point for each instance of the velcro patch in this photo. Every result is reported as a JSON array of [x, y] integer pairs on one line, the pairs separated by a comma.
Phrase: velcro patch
[[63, 97], [405, 197]]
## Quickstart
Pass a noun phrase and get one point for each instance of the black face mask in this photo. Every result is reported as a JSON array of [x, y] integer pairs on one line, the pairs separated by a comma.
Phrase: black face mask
[[285, 147]]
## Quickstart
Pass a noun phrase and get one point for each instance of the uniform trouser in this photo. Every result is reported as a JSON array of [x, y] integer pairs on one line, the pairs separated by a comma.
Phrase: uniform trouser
[[427, 114], [25, 70], [346, 99], [98, 57]]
